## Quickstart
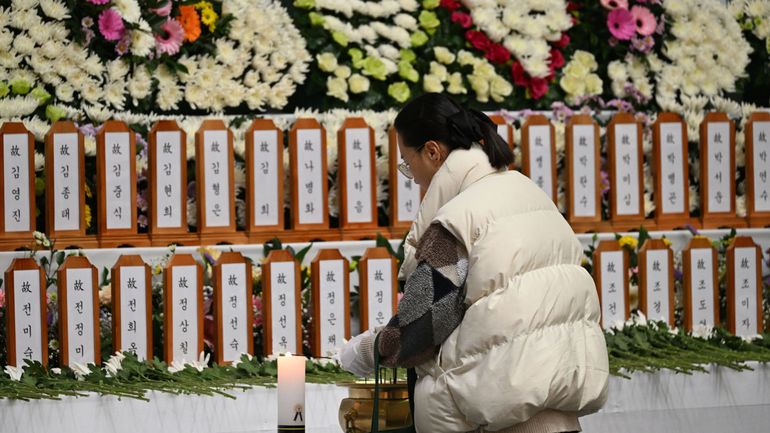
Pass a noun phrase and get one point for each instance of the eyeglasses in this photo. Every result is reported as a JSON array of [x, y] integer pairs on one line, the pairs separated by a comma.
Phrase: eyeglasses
[[404, 166]]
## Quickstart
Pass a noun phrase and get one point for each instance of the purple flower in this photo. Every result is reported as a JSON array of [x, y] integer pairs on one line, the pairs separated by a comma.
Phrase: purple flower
[[191, 189], [88, 129], [560, 110], [89, 36], [678, 275], [692, 229], [123, 45]]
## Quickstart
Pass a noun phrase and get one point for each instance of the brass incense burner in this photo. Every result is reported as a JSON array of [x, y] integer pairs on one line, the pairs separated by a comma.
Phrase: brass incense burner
[[355, 412]]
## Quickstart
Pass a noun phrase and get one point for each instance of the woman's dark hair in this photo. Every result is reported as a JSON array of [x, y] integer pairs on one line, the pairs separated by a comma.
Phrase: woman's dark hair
[[435, 116]]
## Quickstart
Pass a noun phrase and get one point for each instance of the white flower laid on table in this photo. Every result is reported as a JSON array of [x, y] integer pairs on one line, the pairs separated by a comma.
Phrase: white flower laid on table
[[80, 370], [200, 364], [524, 27], [114, 364], [14, 373]]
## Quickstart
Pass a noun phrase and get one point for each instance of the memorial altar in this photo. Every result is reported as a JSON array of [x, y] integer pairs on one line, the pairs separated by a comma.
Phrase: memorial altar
[[193, 191]]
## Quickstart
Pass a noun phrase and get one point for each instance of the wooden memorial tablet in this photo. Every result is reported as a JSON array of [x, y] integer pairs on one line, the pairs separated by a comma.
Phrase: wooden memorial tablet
[[78, 294], [505, 130], [701, 289], [64, 192], [183, 309], [538, 150], [357, 180], [309, 188], [624, 144], [758, 168], [744, 287], [215, 185], [331, 302], [264, 168], [611, 274], [168, 185], [17, 196], [405, 195], [233, 313], [378, 290], [584, 200], [131, 280], [672, 182], [717, 172], [282, 304], [116, 186], [26, 321], [656, 281]]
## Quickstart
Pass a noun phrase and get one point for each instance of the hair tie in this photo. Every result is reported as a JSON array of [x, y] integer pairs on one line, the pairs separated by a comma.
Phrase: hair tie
[[465, 125]]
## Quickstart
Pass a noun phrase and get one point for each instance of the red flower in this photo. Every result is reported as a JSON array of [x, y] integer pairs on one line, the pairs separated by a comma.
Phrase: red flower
[[450, 4], [520, 77], [557, 59], [571, 6], [463, 19], [498, 54], [538, 87], [563, 42], [478, 39]]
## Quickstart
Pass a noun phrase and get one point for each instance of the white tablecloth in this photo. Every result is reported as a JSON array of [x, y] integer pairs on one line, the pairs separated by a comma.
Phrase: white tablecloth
[[723, 401]]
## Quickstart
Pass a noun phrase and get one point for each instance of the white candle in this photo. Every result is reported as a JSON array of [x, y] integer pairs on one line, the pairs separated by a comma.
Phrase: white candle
[[291, 393]]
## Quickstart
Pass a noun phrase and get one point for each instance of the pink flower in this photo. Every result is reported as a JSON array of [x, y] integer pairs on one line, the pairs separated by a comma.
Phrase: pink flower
[[621, 24], [111, 25], [98, 2], [615, 4], [163, 11], [172, 40], [463, 19], [644, 20]]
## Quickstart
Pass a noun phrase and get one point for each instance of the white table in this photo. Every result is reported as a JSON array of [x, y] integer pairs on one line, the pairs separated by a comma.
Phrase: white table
[[719, 402]]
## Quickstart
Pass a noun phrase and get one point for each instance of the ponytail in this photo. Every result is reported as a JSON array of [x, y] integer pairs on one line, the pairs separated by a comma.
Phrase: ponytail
[[435, 116]]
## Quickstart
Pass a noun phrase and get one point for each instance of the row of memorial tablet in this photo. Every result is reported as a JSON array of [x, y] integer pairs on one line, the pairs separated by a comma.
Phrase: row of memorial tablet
[[701, 285], [116, 179], [183, 305]]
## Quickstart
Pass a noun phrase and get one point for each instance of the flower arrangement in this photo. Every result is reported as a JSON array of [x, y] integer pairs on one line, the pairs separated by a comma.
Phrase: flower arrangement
[[149, 55]]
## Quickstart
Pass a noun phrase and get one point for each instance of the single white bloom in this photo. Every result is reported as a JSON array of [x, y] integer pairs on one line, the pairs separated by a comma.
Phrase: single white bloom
[[80, 370], [14, 373]]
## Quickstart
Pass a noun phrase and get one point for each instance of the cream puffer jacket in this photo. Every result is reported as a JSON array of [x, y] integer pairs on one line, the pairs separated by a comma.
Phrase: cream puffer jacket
[[530, 339]]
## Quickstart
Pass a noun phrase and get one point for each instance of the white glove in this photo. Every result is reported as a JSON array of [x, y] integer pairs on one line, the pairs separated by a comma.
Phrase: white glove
[[357, 355]]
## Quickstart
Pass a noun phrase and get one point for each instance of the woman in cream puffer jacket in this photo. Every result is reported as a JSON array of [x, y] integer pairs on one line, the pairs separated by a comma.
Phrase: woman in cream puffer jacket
[[527, 353]]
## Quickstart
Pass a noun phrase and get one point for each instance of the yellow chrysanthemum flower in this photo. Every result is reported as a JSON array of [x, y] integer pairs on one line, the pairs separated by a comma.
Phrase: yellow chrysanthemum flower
[[88, 212], [209, 18], [629, 241]]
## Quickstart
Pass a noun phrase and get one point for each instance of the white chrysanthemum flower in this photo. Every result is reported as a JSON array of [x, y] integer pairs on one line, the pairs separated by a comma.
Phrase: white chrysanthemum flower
[[142, 41], [128, 9], [54, 9]]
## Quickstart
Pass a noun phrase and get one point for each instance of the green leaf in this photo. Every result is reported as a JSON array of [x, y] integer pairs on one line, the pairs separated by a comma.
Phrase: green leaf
[[300, 256], [60, 258]]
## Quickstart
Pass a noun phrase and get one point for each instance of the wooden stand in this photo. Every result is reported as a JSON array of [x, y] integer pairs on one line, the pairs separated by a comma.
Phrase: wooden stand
[[330, 300], [123, 270], [624, 220], [265, 176], [232, 299], [711, 218], [357, 180], [744, 287], [277, 286], [66, 295], [307, 150], [405, 196], [30, 298], [116, 165], [670, 157], [505, 130], [214, 157], [63, 148], [168, 185], [709, 280], [758, 169], [609, 298], [183, 292], [656, 247], [17, 165], [533, 150], [583, 162], [373, 300]]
